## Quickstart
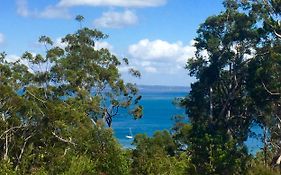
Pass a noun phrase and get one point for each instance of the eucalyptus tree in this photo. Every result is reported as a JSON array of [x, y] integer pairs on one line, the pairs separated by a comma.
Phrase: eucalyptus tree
[[13, 76], [86, 77], [54, 106], [218, 106], [264, 71]]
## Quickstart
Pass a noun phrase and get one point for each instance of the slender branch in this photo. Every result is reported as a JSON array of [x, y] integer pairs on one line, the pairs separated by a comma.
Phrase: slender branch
[[229, 96], [11, 129], [277, 34], [116, 111], [93, 121], [22, 150], [43, 101], [267, 90], [6, 147], [274, 145], [108, 118], [109, 115], [65, 151], [63, 140]]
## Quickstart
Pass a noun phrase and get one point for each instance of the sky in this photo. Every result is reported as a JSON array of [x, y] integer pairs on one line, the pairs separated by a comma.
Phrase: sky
[[155, 35]]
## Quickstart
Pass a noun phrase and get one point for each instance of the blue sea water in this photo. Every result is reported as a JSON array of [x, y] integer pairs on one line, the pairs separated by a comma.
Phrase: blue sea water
[[158, 111]]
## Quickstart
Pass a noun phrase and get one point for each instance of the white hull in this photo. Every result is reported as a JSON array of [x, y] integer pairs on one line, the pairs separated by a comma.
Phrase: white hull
[[129, 137]]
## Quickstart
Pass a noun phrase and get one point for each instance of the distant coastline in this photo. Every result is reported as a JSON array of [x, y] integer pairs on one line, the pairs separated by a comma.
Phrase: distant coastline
[[163, 88]]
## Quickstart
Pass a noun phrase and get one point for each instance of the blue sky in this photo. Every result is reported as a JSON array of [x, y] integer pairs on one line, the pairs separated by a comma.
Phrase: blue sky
[[156, 35]]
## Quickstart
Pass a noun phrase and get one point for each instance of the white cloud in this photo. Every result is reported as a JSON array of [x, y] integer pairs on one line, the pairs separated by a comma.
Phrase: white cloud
[[126, 68], [15, 58], [48, 12], [159, 50], [61, 10], [118, 3], [98, 44], [150, 69], [22, 8], [2, 38], [59, 43], [12, 58], [103, 44], [54, 12], [161, 56], [145, 63], [116, 19], [31, 67]]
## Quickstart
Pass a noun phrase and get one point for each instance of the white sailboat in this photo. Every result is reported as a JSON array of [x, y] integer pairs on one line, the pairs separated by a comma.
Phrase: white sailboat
[[131, 135]]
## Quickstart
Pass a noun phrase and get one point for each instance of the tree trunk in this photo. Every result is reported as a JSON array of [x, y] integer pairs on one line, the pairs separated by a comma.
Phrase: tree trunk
[[6, 147], [211, 102], [265, 145]]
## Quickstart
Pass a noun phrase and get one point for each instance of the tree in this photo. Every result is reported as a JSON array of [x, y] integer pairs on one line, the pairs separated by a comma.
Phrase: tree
[[237, 65], [264, 72], [53, 108], [217, 106]]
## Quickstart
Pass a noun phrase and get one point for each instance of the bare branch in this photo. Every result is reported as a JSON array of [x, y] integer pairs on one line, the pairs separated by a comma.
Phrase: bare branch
[[22, 150], [267, 90], [277, 34], [43, 101], [65, 151], [116, 110], [108, 115], [63, 140], [11, 129], [93, 121]]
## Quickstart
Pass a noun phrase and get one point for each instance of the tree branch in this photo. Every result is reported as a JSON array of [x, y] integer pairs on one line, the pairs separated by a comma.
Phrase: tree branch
[[267, 90], [63, 140], [11, 129], [43, 101], [277, 34], [22, 150]]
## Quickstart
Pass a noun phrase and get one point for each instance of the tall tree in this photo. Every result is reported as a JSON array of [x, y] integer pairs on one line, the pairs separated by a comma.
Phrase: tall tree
[[218, 107], [53, 110], [264, 72]]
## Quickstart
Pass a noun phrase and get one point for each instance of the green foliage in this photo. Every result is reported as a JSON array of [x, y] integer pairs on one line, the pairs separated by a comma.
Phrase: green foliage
[[238, 68], [79, 18], [105, 151], [80, 165], [156, 155], [258, 166], [215, 105], [53, 112], [217, 153], [261, 169], [6, 168]]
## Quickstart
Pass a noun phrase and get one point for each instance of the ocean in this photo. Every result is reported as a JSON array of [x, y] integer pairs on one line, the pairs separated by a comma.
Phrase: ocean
[[158, 111]]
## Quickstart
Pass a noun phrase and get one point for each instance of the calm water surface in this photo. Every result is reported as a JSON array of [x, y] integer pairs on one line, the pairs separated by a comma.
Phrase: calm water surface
[[158, 111], [157, 115]]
